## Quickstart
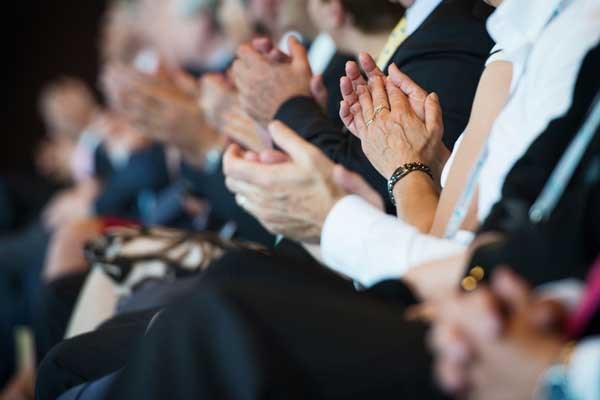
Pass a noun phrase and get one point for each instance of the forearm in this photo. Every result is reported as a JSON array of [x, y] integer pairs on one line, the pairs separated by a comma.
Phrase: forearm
[[416, 198]]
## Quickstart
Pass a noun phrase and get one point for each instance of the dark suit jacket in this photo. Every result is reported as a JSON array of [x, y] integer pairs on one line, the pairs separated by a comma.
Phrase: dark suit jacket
[[446, 55], [567, 243], [146, 170]]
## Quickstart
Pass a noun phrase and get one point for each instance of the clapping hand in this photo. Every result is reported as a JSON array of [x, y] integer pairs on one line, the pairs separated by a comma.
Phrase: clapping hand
[[396, 120], [291, 193], [495, 343]]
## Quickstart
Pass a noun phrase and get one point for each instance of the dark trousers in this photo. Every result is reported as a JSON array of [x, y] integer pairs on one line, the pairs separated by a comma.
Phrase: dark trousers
[[305, 287], [256, 341]]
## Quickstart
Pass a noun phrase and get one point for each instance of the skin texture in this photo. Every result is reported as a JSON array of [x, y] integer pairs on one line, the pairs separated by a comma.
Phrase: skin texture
[[163, 108], [66, 251], [260, 97], [495, 342], [490, 98], [266, 185]]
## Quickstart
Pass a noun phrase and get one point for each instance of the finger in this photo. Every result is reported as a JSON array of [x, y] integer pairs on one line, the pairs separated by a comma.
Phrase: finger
[[415, 93], [398, 100], [249, 191], [355, 184], [251, 156], [433, 115], [347, 117], [369, 65], [511, 289], [271, 156], [450, 377], [248, 55], [290, 142], [278, 56], [236, 167], [353, 73], [348, 90], [359, 121], [263, 45], [298, 53], [380, 97], [366, 102]]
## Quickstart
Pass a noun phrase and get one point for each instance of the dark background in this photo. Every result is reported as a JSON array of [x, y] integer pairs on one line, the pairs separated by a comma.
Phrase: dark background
[[44, 40]]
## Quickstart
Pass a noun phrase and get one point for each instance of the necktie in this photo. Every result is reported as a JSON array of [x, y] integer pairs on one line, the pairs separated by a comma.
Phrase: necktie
[[589, 305], [398, 35]]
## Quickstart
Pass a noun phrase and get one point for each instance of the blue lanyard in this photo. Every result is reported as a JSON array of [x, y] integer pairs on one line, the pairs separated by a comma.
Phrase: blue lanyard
[[562, 174]]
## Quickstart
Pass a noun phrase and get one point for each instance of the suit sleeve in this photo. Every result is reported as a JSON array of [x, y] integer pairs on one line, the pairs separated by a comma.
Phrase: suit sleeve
[[305, 116]]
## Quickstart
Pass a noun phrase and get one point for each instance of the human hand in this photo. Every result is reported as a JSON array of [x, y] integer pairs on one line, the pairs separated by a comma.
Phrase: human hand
[[407, 128], [265, 84], [162, 110], [495, 343], [242, 129], [354, 78], [219, 96], [293, 197], [70, 205], [390, 131]]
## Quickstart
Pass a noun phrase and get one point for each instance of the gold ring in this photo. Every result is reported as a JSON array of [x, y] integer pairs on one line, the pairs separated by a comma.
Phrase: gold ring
[[379, 109], [369, 122]]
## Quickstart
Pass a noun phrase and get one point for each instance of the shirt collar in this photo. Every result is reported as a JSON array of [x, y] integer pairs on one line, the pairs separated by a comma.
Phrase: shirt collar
[[418, 13], [517, 22]]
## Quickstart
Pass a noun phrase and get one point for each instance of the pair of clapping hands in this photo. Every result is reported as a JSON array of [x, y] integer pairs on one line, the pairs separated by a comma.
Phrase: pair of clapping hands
[[292, 193], [496, 342]]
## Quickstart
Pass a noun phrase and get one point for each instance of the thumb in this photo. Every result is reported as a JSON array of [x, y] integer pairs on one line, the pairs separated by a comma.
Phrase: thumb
[[271, 156], [298, 52], [433, 114], [290, 142], [355, 184]]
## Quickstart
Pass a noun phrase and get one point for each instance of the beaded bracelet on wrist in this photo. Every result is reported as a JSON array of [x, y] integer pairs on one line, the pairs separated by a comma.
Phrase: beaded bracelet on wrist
[[401, 172]]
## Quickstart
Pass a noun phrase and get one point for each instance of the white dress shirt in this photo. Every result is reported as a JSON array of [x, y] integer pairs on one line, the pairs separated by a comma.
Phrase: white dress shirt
[[418, 13], [369, 246]]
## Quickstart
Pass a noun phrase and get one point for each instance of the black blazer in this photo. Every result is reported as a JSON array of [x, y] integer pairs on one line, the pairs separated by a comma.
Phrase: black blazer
[[446, 55], [146, 170]]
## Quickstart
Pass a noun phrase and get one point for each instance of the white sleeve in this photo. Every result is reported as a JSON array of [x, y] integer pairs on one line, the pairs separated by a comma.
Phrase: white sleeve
[[367, 245], [584, 370]]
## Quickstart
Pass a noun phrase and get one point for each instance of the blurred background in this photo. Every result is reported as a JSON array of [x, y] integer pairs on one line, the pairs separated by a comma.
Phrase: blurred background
[[51, 40]]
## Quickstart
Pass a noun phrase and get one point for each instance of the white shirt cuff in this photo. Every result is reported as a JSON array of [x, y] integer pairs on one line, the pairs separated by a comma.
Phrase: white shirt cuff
[[368, 246]]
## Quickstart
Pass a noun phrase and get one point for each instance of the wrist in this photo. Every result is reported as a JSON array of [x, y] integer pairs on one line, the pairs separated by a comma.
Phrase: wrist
[[403, 172], [417, 179]]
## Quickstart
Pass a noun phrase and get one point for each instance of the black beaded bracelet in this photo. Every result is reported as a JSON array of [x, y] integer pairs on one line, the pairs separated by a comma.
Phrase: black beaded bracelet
[[401, 172]]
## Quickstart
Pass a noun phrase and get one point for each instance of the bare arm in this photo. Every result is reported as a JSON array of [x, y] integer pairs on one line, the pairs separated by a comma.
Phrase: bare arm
[[490, 98]]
